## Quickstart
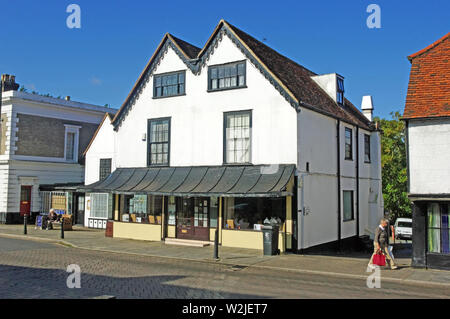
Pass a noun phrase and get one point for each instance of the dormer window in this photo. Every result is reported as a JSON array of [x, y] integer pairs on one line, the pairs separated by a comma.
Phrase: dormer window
[[340, 91]]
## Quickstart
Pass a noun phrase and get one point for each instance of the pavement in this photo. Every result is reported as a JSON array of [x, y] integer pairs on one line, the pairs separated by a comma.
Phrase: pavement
[[351, 266]]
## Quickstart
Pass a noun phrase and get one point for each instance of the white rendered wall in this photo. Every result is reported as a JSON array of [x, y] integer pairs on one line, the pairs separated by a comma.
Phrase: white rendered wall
[[101, 147], [197, 117], [429, 156]]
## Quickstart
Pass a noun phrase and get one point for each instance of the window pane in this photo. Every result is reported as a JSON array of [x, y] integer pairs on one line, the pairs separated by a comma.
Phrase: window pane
[[241, 68], [348, 205], [70, 145], [213, 73]]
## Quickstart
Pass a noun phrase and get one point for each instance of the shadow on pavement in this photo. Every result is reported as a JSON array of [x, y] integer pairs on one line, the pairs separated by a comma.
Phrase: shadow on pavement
[[44, 283]]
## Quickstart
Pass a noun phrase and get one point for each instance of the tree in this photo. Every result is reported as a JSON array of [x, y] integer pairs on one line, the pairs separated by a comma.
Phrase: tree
[[393, 166]]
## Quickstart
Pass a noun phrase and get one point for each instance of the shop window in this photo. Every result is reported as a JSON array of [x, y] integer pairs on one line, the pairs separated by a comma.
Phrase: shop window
[[213, 211], [438, 228], [154, 211], [141, 209], [171, 210], [348, 205], [252, 213], [99, 205]]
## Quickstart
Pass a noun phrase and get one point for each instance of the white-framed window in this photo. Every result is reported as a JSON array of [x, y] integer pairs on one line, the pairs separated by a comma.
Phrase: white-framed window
[[237, 137], [99, 205], [348, 205], [71, 144]]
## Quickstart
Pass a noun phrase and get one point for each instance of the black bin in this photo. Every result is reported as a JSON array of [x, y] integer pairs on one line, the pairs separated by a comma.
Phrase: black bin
[[270, 240]]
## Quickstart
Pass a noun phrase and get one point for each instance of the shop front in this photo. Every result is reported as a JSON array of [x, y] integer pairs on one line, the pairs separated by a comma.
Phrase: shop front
[[191, 203], [431, 232]]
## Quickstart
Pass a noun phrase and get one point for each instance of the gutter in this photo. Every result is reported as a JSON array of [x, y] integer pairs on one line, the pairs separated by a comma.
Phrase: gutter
[[338, 139], [357, 181]]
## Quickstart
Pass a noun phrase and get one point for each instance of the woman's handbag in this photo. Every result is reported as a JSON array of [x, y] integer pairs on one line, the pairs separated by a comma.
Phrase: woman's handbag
[[379, 259]]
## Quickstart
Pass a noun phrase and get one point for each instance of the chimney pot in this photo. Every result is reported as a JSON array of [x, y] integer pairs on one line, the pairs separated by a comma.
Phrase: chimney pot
[[9, 83]]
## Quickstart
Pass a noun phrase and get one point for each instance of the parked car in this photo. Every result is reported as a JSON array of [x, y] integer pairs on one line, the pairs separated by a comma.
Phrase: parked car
[[403, 228]]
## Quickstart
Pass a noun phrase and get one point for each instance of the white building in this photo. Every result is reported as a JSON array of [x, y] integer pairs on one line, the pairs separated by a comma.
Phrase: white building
[[41, 142], [226, 136], [427, 119]]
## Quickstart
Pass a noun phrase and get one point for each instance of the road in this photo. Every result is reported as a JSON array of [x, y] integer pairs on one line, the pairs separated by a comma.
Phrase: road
[[38, 270]]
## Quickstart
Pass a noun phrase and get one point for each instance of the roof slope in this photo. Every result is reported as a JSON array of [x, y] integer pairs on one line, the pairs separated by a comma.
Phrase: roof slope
[[294, 78], [298, 79], [429, 81], [190, 50]]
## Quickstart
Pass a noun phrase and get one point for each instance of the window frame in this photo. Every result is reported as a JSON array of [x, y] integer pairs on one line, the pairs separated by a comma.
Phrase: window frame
[[443, 207], [367, 148], [74, 129], [236, 63], [348, 158], [224, 148], [100, 167], [340, 91], [352, 205], [160, 75], [149, 155]]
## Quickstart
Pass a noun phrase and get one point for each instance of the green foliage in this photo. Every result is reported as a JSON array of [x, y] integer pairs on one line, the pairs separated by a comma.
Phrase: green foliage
[[393, 166]]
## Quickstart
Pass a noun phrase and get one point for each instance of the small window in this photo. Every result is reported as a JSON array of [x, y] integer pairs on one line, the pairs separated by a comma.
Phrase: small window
[[340, 91], [438, 228], [348, 144], [348, 205], [105, 168], [71, 142], [366, 148], [171, 84], [158, 141], [227, 76]]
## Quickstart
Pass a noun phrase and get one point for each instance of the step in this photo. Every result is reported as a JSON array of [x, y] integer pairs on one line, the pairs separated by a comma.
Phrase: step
[[186, 242]]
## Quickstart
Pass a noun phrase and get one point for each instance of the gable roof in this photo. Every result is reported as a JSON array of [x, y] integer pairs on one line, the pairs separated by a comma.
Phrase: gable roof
[[106, 116], [292, 80], [429, 81]]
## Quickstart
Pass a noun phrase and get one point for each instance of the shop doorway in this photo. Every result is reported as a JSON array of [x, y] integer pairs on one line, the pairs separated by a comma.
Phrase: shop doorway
[[79, 209], [25, 200], [193, 218]]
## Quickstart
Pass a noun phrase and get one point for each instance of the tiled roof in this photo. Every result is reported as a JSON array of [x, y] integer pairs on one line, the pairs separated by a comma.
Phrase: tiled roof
[[296, 78], [429, 81], [190, 50]]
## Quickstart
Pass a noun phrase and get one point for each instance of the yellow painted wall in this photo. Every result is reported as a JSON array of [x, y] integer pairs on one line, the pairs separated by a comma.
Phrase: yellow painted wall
[[248, 239], [212, 234], [242, 239], [137, 231], [171, 231]]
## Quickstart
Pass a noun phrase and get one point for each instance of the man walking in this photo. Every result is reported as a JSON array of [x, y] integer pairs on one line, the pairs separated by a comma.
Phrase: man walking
[[381, 243]]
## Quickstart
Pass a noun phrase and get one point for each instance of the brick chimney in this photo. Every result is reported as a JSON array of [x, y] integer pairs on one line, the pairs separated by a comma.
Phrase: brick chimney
[[9, 83]]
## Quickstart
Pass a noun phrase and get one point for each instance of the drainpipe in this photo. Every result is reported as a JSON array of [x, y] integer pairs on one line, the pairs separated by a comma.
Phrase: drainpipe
[[357, 181], [338, 142]]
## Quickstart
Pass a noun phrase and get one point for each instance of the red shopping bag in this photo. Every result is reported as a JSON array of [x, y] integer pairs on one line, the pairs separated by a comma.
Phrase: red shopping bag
[[379, 259]]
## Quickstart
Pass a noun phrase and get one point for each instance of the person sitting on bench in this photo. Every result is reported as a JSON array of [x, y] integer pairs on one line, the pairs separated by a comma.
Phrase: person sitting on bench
[[52, 217]]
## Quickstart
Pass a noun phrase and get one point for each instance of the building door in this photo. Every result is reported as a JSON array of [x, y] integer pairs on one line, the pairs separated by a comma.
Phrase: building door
[[193, 218], [25, 200], [79, 209]]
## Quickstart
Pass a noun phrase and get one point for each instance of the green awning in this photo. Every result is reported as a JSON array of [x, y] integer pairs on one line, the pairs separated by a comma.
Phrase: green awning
[[227, 181]]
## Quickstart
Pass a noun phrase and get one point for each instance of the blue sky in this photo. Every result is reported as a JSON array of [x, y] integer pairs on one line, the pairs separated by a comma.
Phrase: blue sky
[[100, 62]]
